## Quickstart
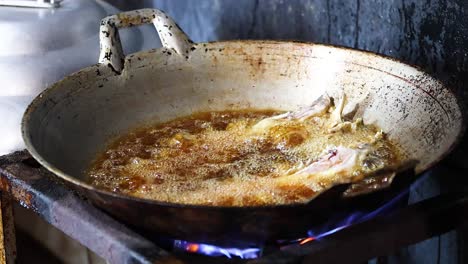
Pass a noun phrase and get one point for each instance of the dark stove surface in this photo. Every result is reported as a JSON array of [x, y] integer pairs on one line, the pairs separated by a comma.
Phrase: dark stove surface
[[33, 187]]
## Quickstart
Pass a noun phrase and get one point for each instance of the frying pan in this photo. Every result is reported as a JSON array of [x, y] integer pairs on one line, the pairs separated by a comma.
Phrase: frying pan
[[69, 123]]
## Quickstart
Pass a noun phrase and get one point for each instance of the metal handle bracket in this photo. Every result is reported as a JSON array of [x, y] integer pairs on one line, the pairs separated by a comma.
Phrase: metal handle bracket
[[111, 52]]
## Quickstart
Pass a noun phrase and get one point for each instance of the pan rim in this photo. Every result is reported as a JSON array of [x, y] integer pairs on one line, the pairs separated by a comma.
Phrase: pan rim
[[38, 100]]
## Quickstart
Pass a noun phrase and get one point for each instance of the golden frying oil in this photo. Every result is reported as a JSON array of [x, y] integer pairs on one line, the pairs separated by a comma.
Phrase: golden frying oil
[[213, 158]]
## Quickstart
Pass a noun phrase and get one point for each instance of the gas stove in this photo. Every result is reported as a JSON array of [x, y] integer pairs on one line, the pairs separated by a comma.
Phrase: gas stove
[[355, 237]]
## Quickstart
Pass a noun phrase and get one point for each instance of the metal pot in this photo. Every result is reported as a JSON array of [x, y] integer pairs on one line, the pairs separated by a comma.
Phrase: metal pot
[[71, 121], [40, 46]]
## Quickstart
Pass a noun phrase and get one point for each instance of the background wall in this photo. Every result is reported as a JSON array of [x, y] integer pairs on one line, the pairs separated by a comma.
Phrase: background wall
[[430, 33]]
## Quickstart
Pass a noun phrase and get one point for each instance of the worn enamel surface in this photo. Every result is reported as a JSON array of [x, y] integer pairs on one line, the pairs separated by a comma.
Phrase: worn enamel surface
[[70, 122]]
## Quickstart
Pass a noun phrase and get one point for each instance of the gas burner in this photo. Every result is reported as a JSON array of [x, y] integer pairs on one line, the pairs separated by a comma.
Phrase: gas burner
[[357, 236]]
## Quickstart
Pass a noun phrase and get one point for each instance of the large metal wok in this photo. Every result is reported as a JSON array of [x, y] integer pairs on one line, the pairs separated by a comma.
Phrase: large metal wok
[[71, 121]]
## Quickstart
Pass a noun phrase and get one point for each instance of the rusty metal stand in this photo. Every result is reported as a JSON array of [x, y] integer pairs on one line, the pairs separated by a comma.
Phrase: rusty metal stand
[[7, 230]]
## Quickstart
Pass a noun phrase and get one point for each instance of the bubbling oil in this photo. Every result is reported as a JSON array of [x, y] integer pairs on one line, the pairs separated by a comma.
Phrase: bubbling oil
[[213, 158]]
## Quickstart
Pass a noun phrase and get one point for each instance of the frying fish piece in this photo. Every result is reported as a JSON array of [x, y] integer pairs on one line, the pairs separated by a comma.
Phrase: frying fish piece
[[342, 165], [338, 166], [336, 116], [345, 126], [318, 107]]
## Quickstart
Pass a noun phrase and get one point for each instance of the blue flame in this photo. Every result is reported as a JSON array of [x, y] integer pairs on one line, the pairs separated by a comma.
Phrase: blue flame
[[359, 217], [216, 251], [334, 225]]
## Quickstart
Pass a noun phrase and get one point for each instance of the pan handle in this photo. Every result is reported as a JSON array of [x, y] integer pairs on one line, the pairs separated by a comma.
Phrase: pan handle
[[111, 52]]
